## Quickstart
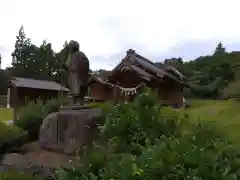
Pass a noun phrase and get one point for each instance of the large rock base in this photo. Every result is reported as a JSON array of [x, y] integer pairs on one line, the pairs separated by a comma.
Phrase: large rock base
[[68, 130]]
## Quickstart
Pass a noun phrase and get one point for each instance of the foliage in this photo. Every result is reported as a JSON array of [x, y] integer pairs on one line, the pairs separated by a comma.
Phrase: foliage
[[13, 175], [11, 136], [106, 107], [207, 91], [42, 62], [209, 75], [138, 142], [31, 116], [23, 55], [29, 60], [53, 105]]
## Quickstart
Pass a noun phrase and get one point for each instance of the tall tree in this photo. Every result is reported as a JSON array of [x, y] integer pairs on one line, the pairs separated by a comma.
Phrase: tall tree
[[61, 74], [23, 54], [220, 49], [45, 60], [17, 55]]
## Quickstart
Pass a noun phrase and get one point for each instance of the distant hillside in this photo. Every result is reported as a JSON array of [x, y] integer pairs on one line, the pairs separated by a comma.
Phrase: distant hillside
[[203, 72]]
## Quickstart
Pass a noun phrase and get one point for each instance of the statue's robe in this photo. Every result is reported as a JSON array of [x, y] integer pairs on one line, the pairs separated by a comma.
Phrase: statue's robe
[[78, 72]]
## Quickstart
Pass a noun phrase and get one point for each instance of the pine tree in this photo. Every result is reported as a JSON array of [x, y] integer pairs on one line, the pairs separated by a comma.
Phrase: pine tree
[[220, 49], [23, 56]]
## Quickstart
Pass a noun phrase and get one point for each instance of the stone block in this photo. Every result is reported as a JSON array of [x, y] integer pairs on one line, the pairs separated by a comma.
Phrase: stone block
[[68, 130]]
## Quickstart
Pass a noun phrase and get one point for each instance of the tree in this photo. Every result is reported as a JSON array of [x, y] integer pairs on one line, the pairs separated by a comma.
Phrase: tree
[[23, 55], [220, 49], [18, 51], [45, 60], [173, 61], [61, 74]]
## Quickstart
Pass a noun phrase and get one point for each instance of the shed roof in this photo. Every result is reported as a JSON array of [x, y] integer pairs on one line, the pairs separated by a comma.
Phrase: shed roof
[[37, 84]]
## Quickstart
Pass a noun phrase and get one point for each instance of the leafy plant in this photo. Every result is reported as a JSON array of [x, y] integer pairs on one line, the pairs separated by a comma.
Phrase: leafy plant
[[143, 140], [32, 115], [30, 119], [10, 137], [53, 105]]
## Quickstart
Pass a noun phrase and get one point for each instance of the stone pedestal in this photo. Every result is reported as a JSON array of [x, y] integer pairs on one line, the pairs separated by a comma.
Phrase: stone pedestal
[[68, 129]]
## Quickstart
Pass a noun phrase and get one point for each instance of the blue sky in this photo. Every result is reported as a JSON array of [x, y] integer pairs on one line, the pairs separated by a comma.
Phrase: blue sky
[[105, 29]]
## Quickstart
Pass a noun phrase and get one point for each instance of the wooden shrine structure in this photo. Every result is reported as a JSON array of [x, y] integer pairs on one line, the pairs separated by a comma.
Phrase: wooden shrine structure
[[134, 72]]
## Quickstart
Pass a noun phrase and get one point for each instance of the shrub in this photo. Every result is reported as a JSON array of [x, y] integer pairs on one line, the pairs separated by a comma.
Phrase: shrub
[[106, 107], [52, 105], [30, 119], [11, 137], [138, 142], [32, 115]]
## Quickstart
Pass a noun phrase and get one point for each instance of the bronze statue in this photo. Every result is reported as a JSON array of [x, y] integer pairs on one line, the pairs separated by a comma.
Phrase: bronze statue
[[77, 65]]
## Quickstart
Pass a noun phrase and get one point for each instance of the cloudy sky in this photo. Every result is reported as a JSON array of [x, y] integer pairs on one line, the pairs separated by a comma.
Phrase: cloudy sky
[[105, 29]]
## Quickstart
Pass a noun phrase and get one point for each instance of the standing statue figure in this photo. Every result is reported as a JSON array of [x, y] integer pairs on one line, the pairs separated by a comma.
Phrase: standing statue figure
[[77, 65]]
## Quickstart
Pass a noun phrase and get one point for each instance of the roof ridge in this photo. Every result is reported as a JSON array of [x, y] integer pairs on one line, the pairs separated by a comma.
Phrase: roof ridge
[[37, 84], [34, 79], [132, 53]]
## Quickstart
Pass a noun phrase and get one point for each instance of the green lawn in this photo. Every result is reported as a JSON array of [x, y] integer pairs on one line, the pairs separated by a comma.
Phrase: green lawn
[[6, 114], [226, 114]]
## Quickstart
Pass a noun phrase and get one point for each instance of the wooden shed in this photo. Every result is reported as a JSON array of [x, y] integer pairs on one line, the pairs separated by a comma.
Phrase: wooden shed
[[134, 71], [23, 90]]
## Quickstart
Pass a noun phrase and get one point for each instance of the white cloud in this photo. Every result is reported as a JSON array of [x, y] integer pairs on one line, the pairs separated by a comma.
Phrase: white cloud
[[108, 27]]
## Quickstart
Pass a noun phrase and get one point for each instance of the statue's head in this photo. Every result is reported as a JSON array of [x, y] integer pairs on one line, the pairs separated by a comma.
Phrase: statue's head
[[74, 46]]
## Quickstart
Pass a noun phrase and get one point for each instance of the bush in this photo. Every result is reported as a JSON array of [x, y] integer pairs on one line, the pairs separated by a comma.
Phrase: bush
[[53, 106], [138, 142], [11, 137], [106, 107], [32, 115], [30, 119]]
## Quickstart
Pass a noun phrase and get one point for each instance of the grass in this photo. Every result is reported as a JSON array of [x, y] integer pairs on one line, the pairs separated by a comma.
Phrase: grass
[[13, 175], [6, 114], [232, 90], [226, 114]]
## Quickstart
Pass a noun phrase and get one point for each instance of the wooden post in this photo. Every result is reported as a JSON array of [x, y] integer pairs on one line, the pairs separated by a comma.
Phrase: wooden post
[[115, 95], [61, 93], [8, 97], [15, 104]]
